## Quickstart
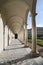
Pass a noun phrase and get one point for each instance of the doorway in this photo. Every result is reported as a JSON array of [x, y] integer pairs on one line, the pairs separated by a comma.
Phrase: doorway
[[16, 36]]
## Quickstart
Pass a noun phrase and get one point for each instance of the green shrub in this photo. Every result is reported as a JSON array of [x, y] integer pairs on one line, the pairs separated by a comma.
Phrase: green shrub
[[39, 41]]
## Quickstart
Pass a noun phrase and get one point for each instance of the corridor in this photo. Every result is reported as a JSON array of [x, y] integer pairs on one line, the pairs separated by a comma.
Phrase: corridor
[[17, 54], [14, 15]]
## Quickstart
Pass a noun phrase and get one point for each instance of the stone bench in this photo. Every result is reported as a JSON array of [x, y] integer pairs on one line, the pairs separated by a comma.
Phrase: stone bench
[[40, 52]]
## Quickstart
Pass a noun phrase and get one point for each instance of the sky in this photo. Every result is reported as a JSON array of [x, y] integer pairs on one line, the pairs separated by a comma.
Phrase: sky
[[39, 17]]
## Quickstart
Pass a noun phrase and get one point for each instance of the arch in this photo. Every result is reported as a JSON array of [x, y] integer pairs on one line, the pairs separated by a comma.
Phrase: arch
[[15, 17]]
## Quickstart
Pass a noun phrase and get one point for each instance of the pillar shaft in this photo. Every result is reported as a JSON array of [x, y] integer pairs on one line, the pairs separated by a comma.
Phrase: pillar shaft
[[25, 33], [3, 36], [33, 33], [8, 36]]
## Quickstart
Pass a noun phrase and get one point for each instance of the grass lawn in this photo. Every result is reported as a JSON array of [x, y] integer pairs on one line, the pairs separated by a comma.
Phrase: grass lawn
[[39, 41]]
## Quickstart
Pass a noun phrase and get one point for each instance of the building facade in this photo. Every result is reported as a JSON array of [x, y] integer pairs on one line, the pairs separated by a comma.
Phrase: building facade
[[39, 32]]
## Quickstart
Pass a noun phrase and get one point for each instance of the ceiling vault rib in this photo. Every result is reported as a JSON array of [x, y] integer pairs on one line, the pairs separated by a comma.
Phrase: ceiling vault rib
[[15, 16]]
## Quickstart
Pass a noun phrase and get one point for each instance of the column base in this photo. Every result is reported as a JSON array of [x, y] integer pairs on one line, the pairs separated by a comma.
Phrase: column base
[[8, 44], [25, 45], [3, 49], [22, 43], [33, 54]]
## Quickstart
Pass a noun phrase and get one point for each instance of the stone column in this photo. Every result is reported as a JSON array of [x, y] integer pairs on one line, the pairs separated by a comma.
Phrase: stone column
[[3, 36], [23, 35], [26, 34], [33, 33], [8, 36]]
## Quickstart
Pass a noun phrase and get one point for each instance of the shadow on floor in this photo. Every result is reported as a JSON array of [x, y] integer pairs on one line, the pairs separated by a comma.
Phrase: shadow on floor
[[20, 59], [17, 48]]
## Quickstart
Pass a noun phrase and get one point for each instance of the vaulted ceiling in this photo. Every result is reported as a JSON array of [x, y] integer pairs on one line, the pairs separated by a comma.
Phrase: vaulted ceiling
[[14, 12]]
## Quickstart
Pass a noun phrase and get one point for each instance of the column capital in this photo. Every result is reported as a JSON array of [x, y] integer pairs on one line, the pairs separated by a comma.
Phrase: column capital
[[33, 14]]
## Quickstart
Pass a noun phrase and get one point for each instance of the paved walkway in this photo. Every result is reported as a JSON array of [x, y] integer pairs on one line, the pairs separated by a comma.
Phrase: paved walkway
[[38, 47], [17, 54]]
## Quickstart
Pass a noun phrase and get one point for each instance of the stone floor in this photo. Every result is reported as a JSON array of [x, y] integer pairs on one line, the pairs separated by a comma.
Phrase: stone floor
[[17, 54]]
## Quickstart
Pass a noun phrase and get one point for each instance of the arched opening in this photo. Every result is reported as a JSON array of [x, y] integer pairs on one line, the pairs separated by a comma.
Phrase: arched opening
[[32, 32], [16, 36], [29, 26]]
